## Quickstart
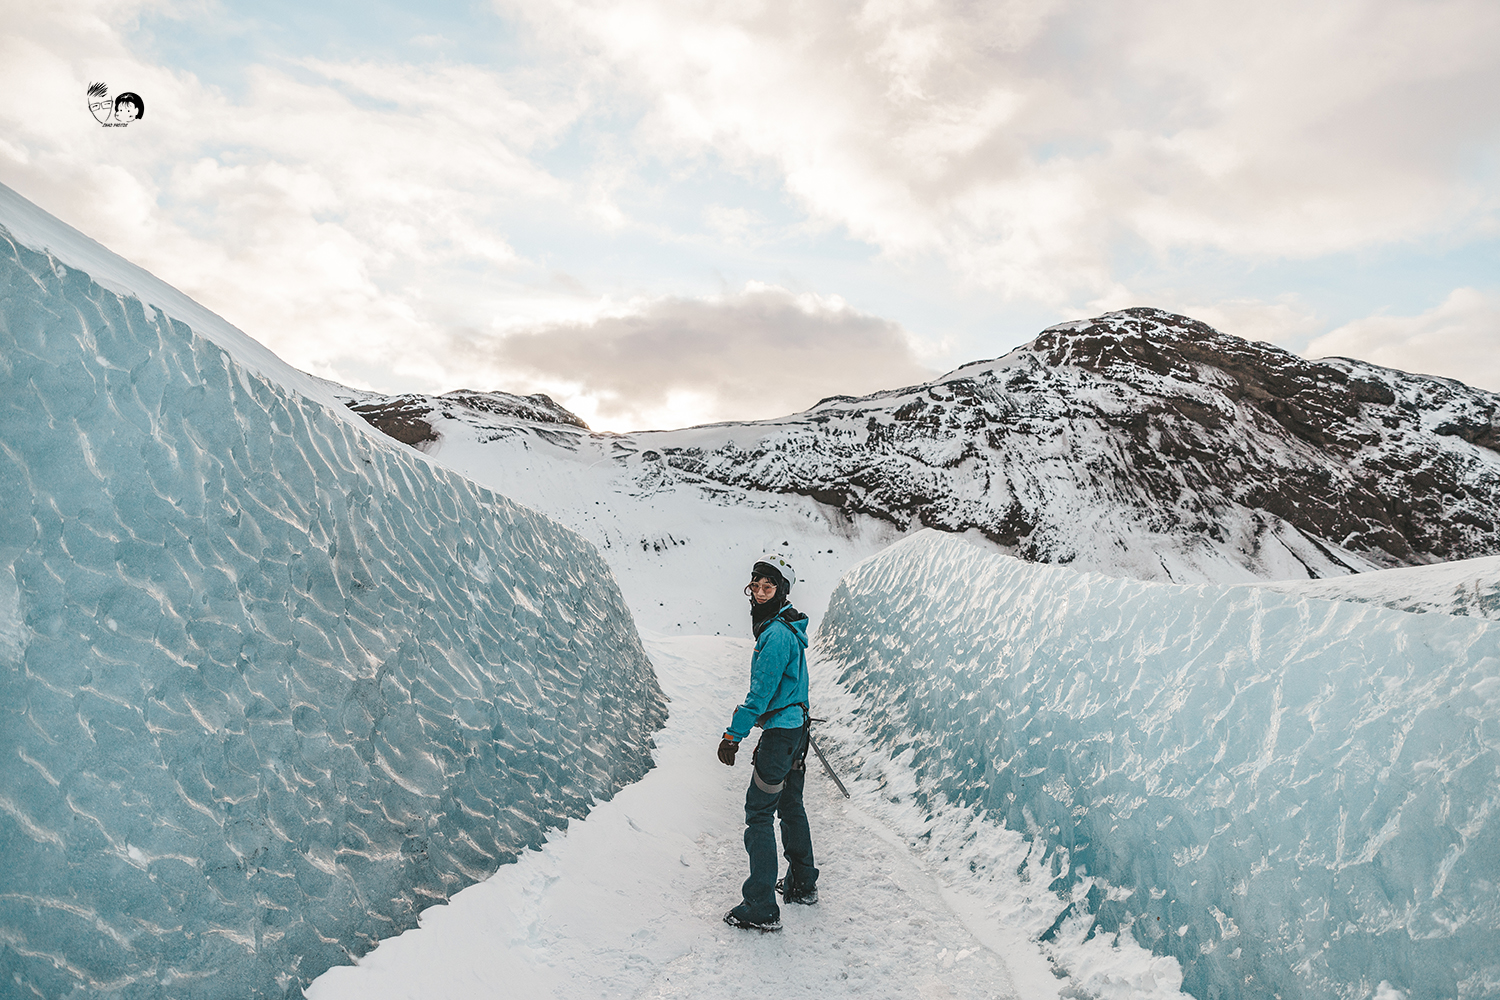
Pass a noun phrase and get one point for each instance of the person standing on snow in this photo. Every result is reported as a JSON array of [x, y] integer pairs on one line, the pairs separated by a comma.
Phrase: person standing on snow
[[777, 702]]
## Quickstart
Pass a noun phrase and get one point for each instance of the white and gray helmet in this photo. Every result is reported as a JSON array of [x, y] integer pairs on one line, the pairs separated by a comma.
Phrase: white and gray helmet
[[779, 566]]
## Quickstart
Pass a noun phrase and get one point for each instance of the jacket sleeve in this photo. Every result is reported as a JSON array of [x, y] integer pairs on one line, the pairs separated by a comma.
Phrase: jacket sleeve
[[772, 655]]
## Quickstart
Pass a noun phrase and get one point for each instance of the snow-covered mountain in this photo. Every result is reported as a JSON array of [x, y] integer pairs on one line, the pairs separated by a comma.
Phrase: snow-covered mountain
[[680, 545], [1139, 443]]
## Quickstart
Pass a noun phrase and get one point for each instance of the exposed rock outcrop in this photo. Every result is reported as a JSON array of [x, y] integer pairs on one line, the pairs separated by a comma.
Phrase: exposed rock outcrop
[[406, 418]]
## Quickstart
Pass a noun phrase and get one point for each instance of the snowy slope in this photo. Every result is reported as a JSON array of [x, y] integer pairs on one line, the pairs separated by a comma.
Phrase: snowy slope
[[682, 551], [271, 683], [1138, 444], [1293, 797]]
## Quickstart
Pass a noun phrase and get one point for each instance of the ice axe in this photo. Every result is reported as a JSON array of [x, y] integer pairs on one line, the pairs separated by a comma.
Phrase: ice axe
[[827, 769]]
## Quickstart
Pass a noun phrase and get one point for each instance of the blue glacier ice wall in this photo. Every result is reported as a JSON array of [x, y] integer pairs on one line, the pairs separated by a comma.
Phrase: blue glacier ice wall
[[270, 685], [1297, 798]]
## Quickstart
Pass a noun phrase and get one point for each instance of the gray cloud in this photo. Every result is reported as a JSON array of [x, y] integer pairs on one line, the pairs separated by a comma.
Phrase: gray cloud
[[762, 352]]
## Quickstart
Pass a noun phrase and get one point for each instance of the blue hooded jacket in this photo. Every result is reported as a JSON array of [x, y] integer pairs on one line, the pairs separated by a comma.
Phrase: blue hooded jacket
[[778, 678]]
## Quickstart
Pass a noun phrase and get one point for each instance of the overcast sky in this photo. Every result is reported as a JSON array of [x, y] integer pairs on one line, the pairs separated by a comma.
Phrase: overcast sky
[[664, 212]]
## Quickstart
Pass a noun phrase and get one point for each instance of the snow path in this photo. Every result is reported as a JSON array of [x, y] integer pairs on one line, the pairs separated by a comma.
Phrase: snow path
[[628, 901]]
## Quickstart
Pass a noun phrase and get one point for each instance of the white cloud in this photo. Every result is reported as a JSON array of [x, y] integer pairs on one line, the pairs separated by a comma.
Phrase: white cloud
[[1021, 140], [1459, 339], [358, 215], [317, 211], [664, 363]]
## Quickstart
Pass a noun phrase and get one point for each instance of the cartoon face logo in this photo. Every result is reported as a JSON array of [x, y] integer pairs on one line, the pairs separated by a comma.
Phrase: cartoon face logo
[[128, 108], [100, 104], [121, 111]]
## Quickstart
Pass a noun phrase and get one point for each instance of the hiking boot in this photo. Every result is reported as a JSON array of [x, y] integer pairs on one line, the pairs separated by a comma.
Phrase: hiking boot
[[806, 897], [734, 918]]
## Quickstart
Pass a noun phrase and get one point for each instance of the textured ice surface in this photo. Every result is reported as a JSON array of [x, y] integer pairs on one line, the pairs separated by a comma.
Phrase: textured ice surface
[[270, 685], [1291, 797], [1469, 587]]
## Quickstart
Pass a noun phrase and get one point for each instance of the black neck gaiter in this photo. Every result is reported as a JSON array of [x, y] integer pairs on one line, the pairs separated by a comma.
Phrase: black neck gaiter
[[761, 614]]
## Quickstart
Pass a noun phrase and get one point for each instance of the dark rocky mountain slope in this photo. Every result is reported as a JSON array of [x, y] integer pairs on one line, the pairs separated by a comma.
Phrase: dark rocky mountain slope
[[1139, 443]]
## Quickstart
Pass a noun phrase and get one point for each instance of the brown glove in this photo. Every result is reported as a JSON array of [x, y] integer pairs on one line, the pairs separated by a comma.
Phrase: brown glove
[[727, 749]]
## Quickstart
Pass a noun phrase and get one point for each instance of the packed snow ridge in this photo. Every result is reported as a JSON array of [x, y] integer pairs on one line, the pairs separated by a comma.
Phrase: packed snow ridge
[[1139, 443], [1293, 798], [272, 683]]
